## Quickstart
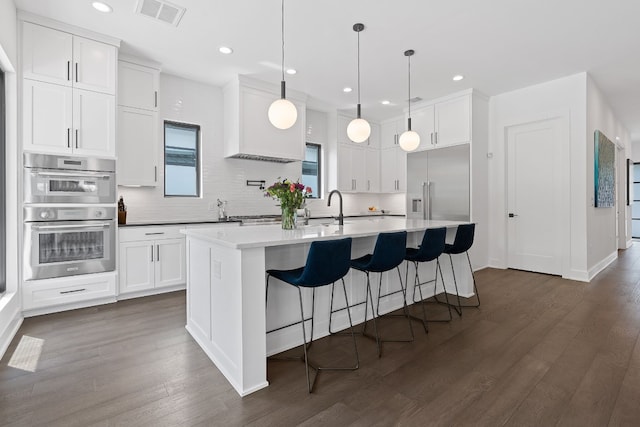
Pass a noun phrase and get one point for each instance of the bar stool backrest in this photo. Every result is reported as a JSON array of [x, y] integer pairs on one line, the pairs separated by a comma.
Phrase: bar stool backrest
[[389, 251], [432, 245], [327, 262], [463, 240]]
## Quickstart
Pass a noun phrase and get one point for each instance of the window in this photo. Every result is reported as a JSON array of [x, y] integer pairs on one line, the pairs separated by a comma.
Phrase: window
[[181, 159], [311, 169]]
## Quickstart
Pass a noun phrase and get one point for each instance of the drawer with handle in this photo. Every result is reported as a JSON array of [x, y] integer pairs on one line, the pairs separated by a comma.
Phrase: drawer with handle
[[60, 291]]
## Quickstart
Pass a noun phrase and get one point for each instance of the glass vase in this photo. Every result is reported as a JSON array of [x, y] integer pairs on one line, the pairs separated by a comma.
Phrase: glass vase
[[288, 218]]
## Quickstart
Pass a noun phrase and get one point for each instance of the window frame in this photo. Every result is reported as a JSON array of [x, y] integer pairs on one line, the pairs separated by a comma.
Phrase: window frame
[[190, 126], [317, 192]]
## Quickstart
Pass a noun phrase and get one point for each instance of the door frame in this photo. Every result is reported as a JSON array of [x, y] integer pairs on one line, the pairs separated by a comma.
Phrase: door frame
[[564, 116]]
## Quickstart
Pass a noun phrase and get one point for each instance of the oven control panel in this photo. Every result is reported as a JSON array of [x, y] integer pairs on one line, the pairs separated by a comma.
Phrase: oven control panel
[[67, 213]]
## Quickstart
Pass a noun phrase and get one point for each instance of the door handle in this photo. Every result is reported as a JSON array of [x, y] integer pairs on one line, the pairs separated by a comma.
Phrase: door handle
[[76, 72], [68, 137], [151, 253], [76, 138], [69, 70], [157, 252], [512, 215]]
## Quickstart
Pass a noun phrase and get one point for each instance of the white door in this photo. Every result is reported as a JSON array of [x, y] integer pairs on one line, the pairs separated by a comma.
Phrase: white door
[[373, 171], [534, 196], [47, 117], [138, 86], [422, 121], [94, 123], [94, 66], [170, 262], [137, 144], [136, 268], [46, 54], [453, 121]]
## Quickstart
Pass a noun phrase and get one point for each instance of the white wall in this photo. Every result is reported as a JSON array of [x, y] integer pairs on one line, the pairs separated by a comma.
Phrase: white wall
[[602, 241], [564, 98], [10, 317], [192, 102]]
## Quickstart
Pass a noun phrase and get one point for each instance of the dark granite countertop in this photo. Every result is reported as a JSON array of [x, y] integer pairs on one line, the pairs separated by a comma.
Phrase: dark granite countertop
[[232, 220]]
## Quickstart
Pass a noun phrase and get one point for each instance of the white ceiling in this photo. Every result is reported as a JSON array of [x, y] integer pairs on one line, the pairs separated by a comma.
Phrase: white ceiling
[[499, 45]]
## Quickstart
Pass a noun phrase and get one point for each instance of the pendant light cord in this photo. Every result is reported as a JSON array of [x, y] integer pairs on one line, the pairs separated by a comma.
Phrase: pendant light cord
[[282, 16], [358, 68], [409, 101]]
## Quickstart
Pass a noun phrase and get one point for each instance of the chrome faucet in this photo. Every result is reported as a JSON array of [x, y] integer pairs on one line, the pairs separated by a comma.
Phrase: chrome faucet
[[340, 216]]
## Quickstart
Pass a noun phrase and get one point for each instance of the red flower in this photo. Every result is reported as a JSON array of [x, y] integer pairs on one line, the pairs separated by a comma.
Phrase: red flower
[[292, 187], [308, 190]]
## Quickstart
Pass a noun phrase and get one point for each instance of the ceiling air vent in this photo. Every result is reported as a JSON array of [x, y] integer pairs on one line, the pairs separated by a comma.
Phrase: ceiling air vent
[[161, 10]]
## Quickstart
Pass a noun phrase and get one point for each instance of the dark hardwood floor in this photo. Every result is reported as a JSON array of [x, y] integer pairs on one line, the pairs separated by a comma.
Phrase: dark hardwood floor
[[541, 351]]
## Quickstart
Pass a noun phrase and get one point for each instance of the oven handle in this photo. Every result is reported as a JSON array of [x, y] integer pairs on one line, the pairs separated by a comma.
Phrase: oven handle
[[73, 174], [57, 227]]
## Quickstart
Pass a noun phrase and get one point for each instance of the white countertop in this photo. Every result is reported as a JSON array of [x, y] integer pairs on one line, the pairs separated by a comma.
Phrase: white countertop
[[274, 235]]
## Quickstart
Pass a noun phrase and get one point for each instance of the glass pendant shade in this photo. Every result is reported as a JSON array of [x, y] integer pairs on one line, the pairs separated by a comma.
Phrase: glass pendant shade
[[359, 130], [409, 140], [282, 113]]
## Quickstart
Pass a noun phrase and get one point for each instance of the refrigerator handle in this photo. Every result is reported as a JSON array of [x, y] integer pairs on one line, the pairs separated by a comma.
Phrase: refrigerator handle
[[426, 197]]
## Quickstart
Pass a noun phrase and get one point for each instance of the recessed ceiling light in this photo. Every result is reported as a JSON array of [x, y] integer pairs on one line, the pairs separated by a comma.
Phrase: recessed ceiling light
[[101, 7], [226, 50], [347, 90], [458, 77], [617, 138], [291, 71], [385, 102]]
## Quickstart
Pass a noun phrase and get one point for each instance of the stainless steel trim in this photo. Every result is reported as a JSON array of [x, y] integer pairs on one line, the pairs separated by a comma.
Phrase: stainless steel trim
[[71, 174], [70, 226], [52, 161]]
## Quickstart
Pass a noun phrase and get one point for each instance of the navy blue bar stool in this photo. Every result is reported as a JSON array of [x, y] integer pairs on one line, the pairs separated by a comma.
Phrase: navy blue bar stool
[[432, 246], [388, 254], [327, 262], [461, 245]]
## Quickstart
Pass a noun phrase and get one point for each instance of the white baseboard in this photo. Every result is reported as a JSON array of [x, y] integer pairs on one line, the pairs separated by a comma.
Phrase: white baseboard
[[593, 271], [66, 307], [629, 243], [149, 292]]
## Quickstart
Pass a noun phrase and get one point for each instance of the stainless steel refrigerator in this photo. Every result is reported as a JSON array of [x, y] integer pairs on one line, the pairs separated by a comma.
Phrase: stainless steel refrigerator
[[438, 184]]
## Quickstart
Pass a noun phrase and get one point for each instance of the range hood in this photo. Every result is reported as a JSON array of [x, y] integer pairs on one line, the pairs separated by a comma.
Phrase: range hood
[[248, 134]]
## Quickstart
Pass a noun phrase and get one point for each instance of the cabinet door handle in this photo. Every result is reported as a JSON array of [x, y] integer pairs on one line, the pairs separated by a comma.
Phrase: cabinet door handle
[[155, 174], [157, 252], [76, 72], [436, 138], [69, 70], [431, 138], [368, 185], [68, 137], [155, 99], [153, 234], [76, 138], [151, 253], [72, 291]]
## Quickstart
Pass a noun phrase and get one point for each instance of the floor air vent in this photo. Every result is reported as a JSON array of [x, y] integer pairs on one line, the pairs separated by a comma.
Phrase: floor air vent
[[161, 10]]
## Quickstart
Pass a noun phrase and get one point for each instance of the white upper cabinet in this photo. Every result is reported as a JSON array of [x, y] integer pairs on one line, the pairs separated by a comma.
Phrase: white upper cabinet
[[390, 132], [137, 146], [443, 123], [138, 86], [68, 89], [47, 117], [94, 65], [58, 57], [393, 170], [248, 132], [316, 127], [47, 54], [94, 124]]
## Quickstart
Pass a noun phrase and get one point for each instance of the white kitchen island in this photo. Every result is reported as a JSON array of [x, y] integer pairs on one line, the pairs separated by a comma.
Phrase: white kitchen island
[[226, 289]]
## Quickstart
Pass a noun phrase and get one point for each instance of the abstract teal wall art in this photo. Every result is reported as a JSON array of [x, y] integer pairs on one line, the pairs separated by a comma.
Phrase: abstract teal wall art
[[604, 171]]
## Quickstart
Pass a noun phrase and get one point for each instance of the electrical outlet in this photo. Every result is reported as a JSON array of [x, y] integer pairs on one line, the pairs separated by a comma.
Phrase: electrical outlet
[[212, 206]]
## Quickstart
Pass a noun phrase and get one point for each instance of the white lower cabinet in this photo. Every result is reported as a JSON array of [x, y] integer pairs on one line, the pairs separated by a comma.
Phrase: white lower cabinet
[[64, 293], [151, 258]]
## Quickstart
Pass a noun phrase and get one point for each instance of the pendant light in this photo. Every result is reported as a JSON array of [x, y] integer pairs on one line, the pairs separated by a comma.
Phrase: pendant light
[[359, 129], [282, 112], [409, 140]]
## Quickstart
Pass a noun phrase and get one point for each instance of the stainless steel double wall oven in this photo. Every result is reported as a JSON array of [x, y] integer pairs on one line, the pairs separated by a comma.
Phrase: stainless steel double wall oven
[[69, 216]]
